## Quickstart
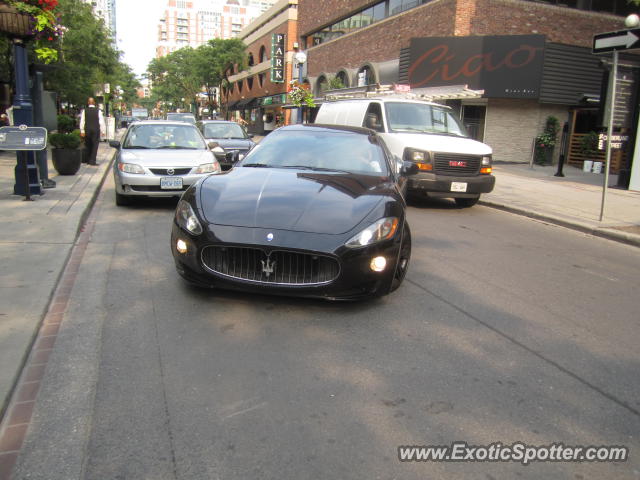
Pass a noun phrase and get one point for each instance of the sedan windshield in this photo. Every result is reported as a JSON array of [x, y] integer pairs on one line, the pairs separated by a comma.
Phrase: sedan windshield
[[164, 136], [181, 117], [320, 151], [223, 130], [422, 118]]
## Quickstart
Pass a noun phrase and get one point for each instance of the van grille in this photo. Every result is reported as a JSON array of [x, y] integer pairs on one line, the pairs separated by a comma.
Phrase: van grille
[[455, 164], [279, 267]]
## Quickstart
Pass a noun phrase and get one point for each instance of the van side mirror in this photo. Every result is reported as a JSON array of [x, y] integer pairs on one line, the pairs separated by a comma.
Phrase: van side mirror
[[114, 143]]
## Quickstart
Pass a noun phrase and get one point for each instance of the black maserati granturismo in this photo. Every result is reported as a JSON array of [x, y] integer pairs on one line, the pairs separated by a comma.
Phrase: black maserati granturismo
[[313, 210]]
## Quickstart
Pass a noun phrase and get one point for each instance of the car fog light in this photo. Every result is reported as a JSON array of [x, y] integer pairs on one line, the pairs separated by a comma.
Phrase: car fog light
[[181, 246], [378, 264]]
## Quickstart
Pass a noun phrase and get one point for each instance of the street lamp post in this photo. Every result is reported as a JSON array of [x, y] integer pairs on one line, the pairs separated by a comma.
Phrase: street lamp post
[[301, 58]]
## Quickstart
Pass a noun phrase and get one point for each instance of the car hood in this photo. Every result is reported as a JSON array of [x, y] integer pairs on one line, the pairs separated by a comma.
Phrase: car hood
[[436, 143], [231, 143], [295, 200], [167, 158]]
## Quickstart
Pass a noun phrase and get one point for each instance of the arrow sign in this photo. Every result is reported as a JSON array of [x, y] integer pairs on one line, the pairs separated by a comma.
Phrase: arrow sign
[[622, 40]]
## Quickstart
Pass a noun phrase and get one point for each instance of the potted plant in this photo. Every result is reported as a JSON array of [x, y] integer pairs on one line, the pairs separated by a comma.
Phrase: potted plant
[[546, 141], [65, 153], [33, 19]]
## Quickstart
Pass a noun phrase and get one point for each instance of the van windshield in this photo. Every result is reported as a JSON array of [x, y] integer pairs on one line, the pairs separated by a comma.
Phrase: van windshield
[[422, 118]]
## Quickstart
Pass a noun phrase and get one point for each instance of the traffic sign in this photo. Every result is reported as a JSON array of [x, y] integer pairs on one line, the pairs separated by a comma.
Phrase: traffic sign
[[23, 138], [621, 40]]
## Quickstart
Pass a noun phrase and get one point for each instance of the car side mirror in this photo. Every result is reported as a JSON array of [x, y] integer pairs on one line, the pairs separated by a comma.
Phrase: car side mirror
[[251, 135], [213, 145], [114, 143], [233, 156], [408, 169]]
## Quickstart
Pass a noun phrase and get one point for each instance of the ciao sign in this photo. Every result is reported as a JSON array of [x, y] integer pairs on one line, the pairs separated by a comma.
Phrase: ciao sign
[[277, 58], [507, 66]]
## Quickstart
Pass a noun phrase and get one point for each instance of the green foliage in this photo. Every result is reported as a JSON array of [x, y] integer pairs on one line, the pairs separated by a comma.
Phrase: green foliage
[[66, 124], [589, 144], [183, 73], [335, 83], [547, 139], [65, 140], [300, 95]]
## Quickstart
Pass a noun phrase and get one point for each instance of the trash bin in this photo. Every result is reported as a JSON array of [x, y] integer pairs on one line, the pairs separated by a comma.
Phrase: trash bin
[[587, 165], [597, 167]]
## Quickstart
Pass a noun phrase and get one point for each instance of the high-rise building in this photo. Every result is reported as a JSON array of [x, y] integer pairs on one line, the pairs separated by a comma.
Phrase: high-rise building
[[194, 22], [105, 9]]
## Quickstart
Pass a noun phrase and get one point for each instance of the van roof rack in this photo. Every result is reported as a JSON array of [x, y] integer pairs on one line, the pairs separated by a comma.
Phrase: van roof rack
[[429, 94]]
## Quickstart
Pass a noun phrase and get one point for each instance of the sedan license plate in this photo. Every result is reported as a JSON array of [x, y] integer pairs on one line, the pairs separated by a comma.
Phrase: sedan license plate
[[171, 183], [458, 186]]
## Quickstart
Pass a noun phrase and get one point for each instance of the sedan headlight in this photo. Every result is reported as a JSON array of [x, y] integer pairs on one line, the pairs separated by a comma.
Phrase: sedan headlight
[[383, 229], [131, 168], [187, 219], [208, 168]]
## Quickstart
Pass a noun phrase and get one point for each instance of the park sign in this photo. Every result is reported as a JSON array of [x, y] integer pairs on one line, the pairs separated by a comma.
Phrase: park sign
[[23, 138], [620, 40], [277, 58]]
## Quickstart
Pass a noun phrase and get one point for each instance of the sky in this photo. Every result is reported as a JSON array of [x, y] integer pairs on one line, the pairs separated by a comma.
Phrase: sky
[[136, 27]]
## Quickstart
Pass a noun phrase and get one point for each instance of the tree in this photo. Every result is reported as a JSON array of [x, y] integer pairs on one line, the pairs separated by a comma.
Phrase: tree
[[87, 57]]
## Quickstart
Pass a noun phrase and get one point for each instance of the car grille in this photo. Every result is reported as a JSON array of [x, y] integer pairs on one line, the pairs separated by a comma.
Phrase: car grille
[[280, 267], [164, 171], [445, 164], [156, 188]]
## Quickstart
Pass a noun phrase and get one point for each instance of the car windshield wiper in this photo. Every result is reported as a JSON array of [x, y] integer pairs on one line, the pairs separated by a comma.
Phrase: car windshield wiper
[[316, 169], [132, 147], [177, 147], [257, 165], [409, 129]]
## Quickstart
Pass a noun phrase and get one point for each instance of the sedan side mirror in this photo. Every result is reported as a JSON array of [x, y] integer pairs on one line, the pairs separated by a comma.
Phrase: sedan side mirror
[[233, 156], [251, 135], [114, 143], [408, 169], [213, 145]]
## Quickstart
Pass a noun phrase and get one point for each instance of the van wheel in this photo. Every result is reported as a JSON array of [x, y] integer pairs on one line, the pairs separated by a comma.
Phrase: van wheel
[[403, 259], [466, 202]]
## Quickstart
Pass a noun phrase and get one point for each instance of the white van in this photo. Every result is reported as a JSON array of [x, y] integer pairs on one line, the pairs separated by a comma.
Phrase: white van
[[451, 164]]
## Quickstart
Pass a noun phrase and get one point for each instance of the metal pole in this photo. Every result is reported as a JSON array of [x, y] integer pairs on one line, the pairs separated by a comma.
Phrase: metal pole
[[612, 109], [300, 83]]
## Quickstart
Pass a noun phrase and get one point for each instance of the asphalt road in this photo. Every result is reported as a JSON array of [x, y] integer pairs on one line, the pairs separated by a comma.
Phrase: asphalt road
[[505, 330]]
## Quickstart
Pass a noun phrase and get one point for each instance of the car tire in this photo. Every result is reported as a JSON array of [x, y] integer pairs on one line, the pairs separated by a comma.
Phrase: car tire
[[403, 259], [466, 202], [122, 200]]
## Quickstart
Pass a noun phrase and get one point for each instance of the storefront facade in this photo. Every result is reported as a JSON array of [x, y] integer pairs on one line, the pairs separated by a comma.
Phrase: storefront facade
[[532, 60], [257, 95]]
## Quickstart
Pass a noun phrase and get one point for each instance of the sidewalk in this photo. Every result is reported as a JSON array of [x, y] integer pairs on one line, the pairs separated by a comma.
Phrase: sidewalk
[[572, 201], [35, 242], [37, 237]]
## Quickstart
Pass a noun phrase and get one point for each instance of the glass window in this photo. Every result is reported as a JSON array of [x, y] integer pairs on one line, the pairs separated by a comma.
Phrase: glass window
[[422, 118], [339, 151], [223, 130], [164, 136], [379, 11]]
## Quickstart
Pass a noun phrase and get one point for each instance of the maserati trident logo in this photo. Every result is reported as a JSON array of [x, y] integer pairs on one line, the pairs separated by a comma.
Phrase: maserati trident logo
[[269, 237], [268, 267]]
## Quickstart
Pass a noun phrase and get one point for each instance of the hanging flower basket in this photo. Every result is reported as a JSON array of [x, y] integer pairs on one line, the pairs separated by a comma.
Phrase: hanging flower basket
[[14, 23], [32, 19]]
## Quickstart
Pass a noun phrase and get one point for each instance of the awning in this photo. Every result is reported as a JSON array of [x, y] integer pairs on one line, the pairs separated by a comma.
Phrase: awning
[[246, 103], [232, 105], [448, 92]]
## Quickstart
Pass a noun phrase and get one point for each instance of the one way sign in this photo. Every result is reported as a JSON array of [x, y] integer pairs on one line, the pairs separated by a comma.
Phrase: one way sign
[[622, 40]]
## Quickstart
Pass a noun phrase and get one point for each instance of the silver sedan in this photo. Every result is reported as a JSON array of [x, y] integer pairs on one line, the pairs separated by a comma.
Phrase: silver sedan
[[160, 159]]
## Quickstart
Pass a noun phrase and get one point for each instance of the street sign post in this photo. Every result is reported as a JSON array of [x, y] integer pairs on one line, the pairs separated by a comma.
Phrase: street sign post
[[614, 41], [23, 138]]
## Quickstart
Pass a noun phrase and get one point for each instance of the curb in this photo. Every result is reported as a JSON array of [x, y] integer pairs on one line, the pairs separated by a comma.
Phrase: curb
[[608, 233]]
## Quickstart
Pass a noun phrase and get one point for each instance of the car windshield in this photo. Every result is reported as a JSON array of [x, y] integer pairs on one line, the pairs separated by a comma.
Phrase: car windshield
[[319, 150], [181, 117], [164, 136], [223, 130], [422, 118]]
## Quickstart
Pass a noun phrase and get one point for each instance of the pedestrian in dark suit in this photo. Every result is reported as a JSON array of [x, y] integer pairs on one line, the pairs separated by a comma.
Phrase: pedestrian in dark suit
[[91, 125]]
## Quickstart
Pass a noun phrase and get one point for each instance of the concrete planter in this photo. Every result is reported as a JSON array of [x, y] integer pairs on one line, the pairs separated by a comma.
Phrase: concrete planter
[[66, 161]]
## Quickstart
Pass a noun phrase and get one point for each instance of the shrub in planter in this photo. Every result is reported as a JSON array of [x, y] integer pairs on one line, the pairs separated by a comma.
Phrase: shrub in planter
[[66, 154]]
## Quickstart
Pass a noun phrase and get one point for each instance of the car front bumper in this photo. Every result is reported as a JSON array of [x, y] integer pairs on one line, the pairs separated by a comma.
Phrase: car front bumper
[[443, 185]]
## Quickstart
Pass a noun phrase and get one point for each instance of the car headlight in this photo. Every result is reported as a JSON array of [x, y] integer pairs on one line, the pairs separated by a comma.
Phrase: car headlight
[[131, 168], [486, 161], [208, 168], [383, 229], [187, 219]]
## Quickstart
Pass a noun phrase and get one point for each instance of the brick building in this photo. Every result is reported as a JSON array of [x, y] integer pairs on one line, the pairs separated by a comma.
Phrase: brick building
[[258, 94], [532, 59]]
